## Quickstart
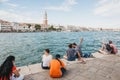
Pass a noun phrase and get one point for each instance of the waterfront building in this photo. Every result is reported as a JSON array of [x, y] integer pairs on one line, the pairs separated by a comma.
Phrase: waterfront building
[[32, 27], [15, 26], [23, 27], [5, 26], [0, 26], [20, 27]]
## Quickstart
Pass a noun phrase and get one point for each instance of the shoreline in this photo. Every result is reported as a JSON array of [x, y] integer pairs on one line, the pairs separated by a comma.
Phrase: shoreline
[[57, 31]]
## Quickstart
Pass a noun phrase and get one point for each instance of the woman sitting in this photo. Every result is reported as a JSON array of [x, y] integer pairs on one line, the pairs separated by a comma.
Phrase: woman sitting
[[8, 70], [46, 58], [57, 67]]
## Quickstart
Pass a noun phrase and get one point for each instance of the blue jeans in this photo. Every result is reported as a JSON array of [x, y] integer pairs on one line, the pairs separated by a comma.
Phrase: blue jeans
[[71, 59]]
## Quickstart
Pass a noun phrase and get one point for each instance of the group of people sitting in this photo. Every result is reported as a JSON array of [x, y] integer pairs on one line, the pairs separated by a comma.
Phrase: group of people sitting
[[56, 66], [8, 70], [74, 52]]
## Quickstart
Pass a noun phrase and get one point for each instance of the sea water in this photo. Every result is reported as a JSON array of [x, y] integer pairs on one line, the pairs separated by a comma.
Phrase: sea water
[[28, 48]]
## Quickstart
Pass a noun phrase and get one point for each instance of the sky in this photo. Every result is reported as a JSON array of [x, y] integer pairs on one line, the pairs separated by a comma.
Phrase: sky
[[84, 13]]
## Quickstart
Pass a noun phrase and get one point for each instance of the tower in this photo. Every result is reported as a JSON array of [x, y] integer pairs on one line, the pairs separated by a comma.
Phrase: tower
[[45, 20]]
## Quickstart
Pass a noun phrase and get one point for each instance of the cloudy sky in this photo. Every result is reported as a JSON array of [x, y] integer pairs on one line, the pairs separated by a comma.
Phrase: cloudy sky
[[89, 13]]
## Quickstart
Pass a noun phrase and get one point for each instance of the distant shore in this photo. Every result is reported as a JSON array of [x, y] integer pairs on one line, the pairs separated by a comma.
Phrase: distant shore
[[57, 31]]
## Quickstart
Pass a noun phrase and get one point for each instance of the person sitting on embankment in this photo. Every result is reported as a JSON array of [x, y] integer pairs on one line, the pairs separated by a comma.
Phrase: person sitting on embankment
[[73, 53], [78, 49], [109, 48], [57, 67], [46, 58], [70, 53], [8, 70]]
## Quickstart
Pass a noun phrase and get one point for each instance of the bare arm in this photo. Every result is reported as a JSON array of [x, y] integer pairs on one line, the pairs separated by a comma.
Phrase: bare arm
[[63, 65], [81, 40], [16, 72], [79, 54]]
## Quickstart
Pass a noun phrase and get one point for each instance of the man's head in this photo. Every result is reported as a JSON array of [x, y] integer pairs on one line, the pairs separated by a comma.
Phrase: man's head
[[70, 45], [74, 45], [110, 42]]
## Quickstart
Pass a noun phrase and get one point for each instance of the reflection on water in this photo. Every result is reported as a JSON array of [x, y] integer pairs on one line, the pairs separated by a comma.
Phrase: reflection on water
[[28, 47]]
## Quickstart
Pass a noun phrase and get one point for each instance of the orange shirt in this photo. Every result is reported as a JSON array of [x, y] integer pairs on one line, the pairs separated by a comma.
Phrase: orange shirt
[[55, 68], [13, 69]]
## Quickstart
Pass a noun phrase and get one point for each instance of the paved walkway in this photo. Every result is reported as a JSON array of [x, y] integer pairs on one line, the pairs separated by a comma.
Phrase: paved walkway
[[106, 68]]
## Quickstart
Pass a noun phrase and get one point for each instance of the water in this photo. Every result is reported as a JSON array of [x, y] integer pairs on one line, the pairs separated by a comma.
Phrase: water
[[28, 47]]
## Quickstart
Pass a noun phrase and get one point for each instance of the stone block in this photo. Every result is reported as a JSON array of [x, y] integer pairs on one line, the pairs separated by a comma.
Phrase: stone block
[[24, 70], [35, 68], [98, 55]]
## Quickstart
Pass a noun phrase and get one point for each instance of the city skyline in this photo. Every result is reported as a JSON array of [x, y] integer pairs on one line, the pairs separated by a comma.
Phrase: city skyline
[[88, 13]]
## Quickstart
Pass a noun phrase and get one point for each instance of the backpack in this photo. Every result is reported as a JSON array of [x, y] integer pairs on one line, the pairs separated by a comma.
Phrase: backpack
[[108, 47]]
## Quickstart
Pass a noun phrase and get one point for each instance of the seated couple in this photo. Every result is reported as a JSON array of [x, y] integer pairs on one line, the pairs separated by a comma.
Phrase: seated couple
[[108, 48], [74, 51], [56, 66], [8, 70]]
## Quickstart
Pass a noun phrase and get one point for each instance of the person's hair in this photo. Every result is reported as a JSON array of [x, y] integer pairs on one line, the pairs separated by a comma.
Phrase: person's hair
[[110, 42], [6, 68], [47, 50], [74, 44], [57, 56], [70, 45]]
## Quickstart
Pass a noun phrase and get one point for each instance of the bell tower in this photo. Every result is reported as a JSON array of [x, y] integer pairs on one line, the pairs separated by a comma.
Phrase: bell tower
[[45, 20]]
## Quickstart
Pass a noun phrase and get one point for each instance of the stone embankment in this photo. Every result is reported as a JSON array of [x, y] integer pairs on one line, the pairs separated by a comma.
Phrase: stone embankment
[[101, 67]]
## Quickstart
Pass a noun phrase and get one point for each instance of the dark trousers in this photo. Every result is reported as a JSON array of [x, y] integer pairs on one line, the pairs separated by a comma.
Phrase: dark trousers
[[44, 67], [63, 71]]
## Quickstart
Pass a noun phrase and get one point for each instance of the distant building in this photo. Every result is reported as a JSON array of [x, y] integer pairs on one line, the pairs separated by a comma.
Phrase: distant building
[[45, 19], [23, 27], [15, 26], [5, 26], [20, 27], [45, 22], [32, 27]]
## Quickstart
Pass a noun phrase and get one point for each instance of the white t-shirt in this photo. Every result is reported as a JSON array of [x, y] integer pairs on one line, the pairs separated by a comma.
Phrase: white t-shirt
[[46, 60]]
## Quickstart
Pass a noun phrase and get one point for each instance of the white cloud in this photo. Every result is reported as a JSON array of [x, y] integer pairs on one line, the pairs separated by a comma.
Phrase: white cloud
[[65, 6], [107, 8], [6, 2], [12, 5], [2, 1], [10, 16]]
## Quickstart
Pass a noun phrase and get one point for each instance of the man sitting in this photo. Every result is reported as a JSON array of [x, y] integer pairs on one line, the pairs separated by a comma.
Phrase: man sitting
[[73, 53], [70, 53], [109, 48]]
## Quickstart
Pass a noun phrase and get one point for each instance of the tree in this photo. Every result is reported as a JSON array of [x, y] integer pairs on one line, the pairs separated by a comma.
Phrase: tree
[[29, 25], [52, 28], [37, 27], [59, 29]]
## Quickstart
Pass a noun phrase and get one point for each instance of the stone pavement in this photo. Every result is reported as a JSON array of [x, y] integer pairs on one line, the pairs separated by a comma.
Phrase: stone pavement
[[103, 68]]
